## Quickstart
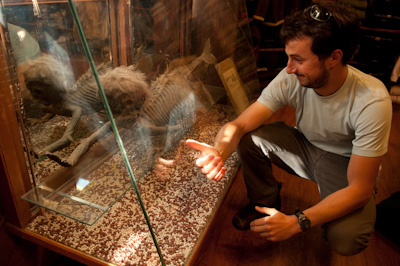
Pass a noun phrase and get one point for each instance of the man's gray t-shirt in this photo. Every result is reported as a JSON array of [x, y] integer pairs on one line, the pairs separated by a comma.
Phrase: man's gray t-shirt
[[354, 120]]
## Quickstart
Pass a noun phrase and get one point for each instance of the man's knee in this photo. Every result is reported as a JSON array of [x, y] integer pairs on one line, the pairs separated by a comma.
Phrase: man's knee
[[351, 234], [348, 241]]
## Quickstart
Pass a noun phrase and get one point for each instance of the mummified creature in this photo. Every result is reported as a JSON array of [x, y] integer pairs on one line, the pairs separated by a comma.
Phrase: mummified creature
[[167, 109], [49, 82]]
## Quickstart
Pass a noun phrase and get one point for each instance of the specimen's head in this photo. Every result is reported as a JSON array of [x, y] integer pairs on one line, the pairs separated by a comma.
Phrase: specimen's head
[[47, 79]]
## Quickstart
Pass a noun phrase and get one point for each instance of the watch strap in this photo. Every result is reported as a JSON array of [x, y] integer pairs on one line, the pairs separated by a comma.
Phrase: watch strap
[[303, 220]]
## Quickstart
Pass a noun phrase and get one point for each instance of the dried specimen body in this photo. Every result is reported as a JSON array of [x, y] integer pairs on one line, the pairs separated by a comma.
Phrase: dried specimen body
[[50, 82], [178, 96], [126, 91]]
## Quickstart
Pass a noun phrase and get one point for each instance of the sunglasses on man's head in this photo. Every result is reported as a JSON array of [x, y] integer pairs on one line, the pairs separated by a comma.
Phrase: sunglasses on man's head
[[319, 13]]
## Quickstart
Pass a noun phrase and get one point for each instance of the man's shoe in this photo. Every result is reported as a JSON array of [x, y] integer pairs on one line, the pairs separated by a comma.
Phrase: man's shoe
[[245, 216], [248, 213]]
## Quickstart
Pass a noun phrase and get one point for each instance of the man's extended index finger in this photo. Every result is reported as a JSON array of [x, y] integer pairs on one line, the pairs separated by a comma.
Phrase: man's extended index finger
[[197, 145]]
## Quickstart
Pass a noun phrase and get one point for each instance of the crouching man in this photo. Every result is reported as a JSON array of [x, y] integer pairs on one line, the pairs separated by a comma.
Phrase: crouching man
[[343, 119]]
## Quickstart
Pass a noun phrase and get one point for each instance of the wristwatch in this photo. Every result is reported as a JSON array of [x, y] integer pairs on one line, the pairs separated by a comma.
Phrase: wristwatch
[[304, 222]]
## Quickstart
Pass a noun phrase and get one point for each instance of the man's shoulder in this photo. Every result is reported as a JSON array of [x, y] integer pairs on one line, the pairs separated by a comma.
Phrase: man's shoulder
[[365, 79], [366, 85]]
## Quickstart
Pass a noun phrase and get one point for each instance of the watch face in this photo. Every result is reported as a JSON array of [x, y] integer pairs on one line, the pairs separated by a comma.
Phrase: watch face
[[305, 223]]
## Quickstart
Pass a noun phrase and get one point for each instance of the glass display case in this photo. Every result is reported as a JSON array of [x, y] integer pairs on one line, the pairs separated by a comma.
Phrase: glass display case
[[98, 99]]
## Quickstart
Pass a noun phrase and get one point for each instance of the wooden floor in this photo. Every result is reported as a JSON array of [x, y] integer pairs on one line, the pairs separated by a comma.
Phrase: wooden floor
[[224, 245], [15, 251]]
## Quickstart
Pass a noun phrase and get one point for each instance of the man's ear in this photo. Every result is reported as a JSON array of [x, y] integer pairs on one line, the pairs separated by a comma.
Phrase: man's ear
[[336, 57]]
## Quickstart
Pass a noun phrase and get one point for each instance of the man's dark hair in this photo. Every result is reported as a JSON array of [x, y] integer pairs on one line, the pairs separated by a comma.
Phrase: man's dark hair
[[340, 31]]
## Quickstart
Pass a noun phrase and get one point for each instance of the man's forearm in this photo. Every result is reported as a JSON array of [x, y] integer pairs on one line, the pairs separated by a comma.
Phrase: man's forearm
[[227, 140], [335, 206], [229, 136]]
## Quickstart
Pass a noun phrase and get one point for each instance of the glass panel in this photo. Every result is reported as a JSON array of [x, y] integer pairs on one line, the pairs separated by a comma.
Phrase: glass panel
[[63, 114]]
